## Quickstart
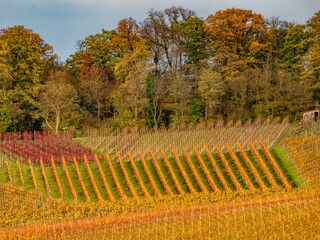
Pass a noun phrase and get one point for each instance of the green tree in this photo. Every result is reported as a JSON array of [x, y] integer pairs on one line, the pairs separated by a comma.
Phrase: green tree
[[196, 110], [312, 60], [133, 65], [195, 40], [297, 43], [151, 119], [211, 90], [92, 67], [28, 59], [5, 117]]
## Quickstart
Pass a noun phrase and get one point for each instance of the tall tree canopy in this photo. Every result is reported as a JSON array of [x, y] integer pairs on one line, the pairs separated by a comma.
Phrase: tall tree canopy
[[171, 68], [238, 37], [27, 58]]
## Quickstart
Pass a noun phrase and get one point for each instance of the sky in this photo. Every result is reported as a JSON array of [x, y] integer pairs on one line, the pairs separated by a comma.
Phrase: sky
[[61, 23]]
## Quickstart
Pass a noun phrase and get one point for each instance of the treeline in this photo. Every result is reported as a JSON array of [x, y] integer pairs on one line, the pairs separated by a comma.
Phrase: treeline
[[172, 68]]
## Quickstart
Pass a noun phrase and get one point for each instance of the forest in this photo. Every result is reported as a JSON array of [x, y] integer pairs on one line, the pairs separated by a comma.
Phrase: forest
[[173, 68]]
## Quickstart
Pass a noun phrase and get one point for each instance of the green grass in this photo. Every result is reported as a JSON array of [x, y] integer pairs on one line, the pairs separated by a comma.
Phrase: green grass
[[259, 169], [187, 169], [52, 181], [16, 180], [145, 178], [87, 181], [288, 166], [67, 195], [236, 172], [178, 174], [212, 171], [113, 187], [122, 180], [223, 171], [27, 177], [75, 182], [200, 173], [133, 178], [40, 180], [155, 176], [247, 169], [271, 168], [4, 178], [167, 175], [98, 180]]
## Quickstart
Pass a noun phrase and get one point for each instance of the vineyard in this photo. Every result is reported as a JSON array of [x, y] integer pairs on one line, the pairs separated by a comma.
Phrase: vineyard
[[246, 183], [257, 214], [193, 172], [306, 152], [103, 140]]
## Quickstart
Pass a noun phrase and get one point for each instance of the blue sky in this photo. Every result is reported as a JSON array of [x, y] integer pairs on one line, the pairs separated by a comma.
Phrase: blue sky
[[62, 22]]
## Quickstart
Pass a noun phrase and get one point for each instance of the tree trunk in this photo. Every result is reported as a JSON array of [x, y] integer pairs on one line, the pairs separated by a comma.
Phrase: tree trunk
[[57, 122], [136, 110], [46, 119], [99, 105]]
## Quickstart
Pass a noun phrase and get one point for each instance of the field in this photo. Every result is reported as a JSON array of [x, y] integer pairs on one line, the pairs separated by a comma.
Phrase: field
[[254, 182], [103, 140]]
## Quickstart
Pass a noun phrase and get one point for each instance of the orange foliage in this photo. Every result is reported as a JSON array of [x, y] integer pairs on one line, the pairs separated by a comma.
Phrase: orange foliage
[[86, 194], [275, 164], [263, 164], [183, 172], [115, 178], [162, 178], [206, 171], [227, 166], [45, 178], [194, 172], [57, 177], [214, 164], [93, 181], [106, 185], [73, 191], [242, 171], [21, 175], [152, 182], [252, 167], [33, 176], [173, 175], [240, 32], [136, 171], [126, 176]]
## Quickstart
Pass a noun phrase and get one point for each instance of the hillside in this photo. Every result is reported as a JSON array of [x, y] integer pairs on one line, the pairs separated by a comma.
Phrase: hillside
[[204, 192]]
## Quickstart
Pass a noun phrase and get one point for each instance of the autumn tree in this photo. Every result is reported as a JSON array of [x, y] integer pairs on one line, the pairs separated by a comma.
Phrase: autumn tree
[[92, 68], [312, 60], [162, 33], [168, 39], [132, 67], [93, 89], [239, 34], [5, 78], [56, 99], [211, 90], [290, 97], [296, 46], [27, 58]]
